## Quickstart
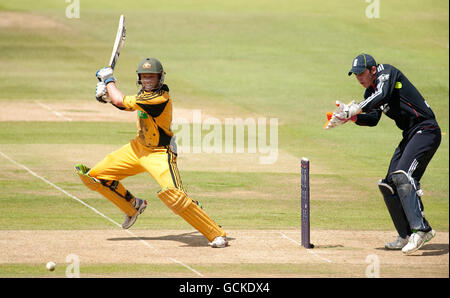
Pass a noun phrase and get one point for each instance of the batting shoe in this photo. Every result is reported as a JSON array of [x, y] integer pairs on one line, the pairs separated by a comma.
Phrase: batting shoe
[[397, 244], [417, 240], [140, 206], [219, 242]]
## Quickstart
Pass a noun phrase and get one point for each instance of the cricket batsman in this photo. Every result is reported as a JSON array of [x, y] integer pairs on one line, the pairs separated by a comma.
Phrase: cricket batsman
[[152, 151], [389, 92]]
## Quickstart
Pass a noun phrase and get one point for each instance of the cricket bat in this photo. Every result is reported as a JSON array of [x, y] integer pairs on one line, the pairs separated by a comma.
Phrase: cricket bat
[[118, 43]]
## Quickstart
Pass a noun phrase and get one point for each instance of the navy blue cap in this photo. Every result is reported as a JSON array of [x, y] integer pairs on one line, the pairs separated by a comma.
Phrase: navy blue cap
[[361, 63]]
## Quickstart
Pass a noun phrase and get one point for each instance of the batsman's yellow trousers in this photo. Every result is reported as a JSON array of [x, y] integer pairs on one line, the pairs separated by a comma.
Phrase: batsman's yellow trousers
[[160, 162], [134, 158]]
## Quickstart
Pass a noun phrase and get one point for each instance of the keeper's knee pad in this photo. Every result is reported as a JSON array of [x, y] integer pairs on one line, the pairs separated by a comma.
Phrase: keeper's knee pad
[[112, 190], [178, 201], [401, 179]]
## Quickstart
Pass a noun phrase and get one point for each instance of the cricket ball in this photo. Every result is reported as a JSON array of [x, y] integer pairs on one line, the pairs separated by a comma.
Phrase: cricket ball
[[51, 266]]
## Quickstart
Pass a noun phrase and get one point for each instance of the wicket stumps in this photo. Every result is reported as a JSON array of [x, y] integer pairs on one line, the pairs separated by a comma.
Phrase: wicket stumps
[[304, 201]]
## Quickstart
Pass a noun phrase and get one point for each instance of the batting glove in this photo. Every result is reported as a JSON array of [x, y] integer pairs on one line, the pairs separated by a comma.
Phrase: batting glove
[[105, 75], [101, 93]]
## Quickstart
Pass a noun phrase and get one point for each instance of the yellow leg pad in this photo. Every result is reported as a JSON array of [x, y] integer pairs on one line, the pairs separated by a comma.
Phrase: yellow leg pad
[[116, 196], [181, 204]]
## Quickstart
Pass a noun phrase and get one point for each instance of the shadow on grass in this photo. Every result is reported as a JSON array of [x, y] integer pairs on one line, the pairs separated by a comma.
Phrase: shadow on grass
[[433, 249]]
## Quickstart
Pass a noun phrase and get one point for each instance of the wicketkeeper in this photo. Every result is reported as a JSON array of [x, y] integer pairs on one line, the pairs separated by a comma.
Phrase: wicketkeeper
[[388, 91], [152, 151]]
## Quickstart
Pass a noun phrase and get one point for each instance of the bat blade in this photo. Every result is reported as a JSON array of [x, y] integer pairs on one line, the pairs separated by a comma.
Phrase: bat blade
[[118, 43]]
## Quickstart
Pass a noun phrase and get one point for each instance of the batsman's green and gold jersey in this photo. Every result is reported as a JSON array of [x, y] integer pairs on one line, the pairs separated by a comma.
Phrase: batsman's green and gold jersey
[[150, 150], [154, 116]]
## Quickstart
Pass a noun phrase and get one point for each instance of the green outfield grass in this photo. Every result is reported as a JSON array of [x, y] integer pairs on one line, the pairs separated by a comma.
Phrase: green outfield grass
[[277, 59], [260, 201], [163, 270]]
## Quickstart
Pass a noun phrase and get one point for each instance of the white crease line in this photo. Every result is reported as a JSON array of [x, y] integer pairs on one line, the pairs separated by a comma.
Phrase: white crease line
[[53, 111], [308, 250], [98, 212]]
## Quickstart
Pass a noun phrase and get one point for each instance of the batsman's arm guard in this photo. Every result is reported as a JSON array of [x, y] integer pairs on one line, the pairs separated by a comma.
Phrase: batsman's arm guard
[[112, 190], [178, 201]]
